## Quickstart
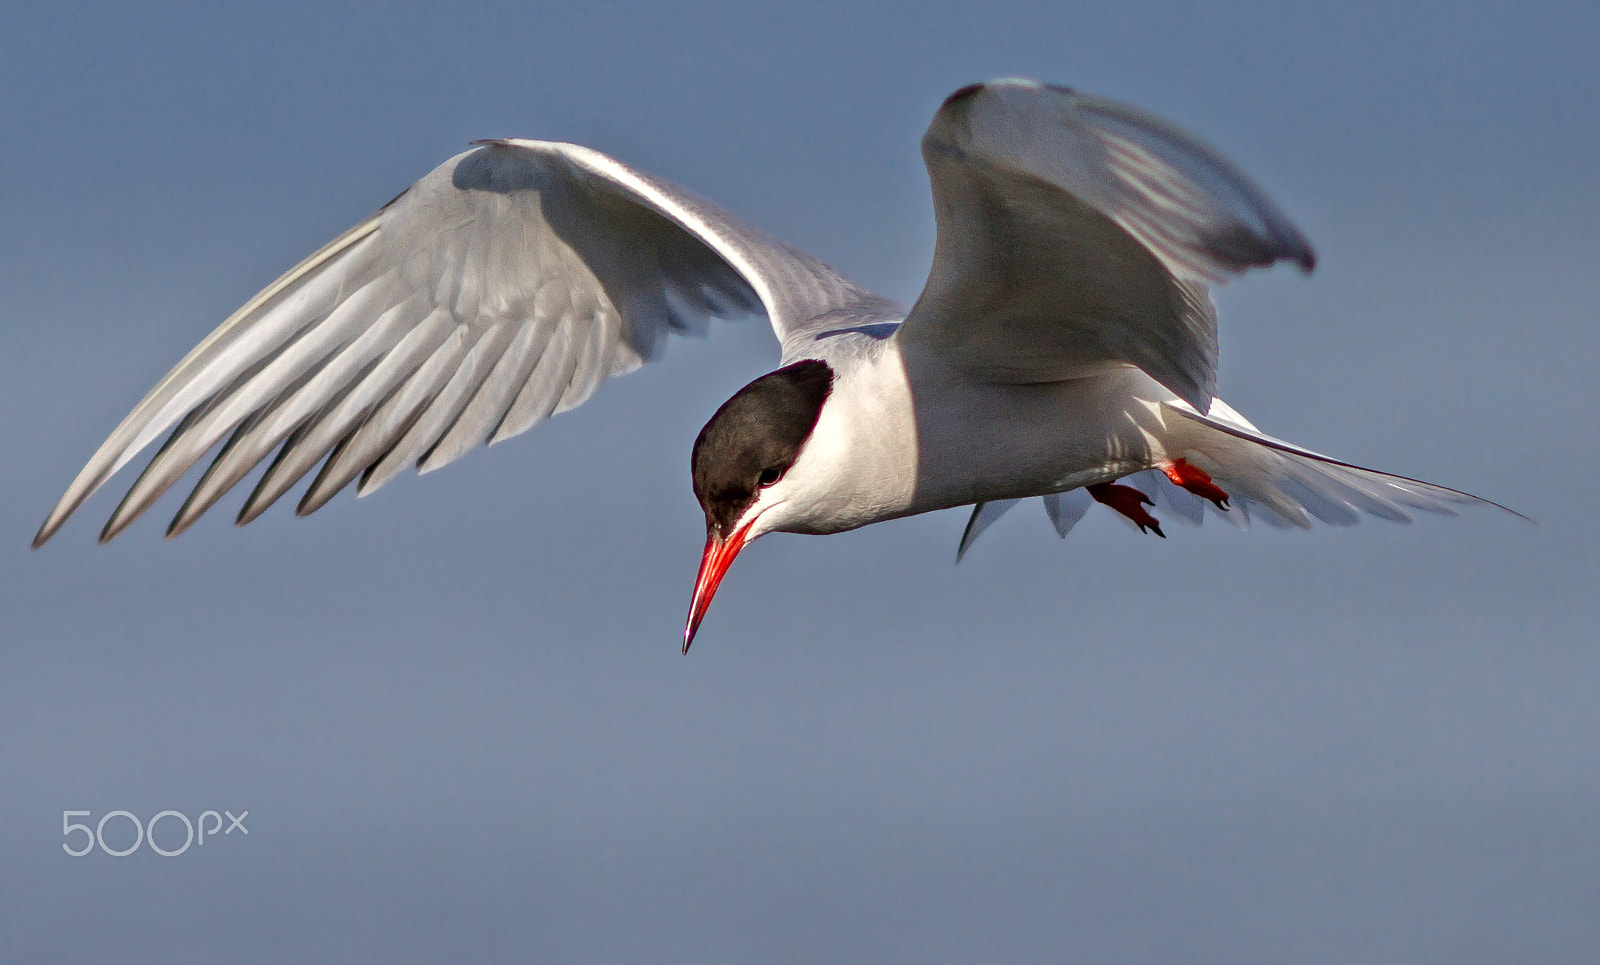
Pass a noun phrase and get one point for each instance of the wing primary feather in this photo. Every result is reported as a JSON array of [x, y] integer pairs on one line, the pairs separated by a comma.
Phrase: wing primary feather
[[440, 412], [317, 494], [252, 442], [538, 397], [590, 367], [114, 525], [455, 403], [270, 425], [181, 453], [255, 330], [387, 423], [291, 367], [485, 413], [206, 492], [338, 423], [111, 529]]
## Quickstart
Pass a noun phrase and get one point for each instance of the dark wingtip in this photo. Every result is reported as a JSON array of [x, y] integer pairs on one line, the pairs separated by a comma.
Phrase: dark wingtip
[[961, 94], [1306, 259]]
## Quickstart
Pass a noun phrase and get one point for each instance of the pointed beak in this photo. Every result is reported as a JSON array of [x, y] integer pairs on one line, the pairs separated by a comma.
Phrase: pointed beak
[[714, 562]]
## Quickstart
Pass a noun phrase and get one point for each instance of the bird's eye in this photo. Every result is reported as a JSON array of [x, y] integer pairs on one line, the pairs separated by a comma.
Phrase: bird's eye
[[769, 475]]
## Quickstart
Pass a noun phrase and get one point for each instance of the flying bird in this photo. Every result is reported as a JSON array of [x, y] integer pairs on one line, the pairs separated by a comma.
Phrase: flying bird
[[1065, 345]]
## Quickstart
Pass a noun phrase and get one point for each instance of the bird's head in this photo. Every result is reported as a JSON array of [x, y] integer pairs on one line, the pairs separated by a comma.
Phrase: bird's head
[[741, 464]]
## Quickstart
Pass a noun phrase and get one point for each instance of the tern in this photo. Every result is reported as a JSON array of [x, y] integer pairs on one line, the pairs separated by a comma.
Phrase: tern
[[1065, 340]]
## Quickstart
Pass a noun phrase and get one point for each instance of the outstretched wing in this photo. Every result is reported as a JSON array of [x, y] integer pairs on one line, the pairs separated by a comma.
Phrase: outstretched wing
[[503, 287], [1075, 233]]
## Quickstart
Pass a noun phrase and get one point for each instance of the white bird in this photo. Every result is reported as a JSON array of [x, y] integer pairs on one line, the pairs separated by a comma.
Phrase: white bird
[[1065, 340]]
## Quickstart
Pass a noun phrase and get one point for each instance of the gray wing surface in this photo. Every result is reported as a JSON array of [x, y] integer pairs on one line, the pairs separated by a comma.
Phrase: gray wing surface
[[1076, 233], [505, 286]]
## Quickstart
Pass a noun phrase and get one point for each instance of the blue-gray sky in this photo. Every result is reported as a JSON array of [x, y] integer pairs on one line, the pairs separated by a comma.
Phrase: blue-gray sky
[[455, 710]]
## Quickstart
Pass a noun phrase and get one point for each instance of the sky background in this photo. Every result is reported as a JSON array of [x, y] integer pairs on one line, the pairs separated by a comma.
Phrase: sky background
[[456, 711]]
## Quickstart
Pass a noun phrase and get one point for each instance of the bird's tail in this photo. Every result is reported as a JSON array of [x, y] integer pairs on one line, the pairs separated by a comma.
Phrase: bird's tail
[[1263, 479], [1283, 484]]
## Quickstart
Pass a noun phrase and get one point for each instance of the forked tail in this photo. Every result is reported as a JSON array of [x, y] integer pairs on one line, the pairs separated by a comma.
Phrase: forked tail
[[1284, 485], [1262, 479]]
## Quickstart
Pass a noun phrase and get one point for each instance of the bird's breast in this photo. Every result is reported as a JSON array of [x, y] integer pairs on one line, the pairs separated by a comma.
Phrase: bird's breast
[[979, 441], [896, 439]]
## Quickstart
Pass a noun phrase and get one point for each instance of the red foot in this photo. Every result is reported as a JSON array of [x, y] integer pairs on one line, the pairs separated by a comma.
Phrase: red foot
[[1129, 502], [1197, 481]]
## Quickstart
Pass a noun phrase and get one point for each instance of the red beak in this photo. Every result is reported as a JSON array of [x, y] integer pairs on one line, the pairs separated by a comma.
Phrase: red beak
[[714, 562]]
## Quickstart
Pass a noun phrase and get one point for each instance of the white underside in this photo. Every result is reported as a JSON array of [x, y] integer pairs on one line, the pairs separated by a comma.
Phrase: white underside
[[903, 436]]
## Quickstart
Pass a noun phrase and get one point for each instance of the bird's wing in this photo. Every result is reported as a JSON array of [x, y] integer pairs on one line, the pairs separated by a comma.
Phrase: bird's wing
[[1075, 233], [501, 288]]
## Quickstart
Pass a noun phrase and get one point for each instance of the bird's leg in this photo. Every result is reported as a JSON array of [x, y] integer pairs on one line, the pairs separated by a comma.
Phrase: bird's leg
[[1197, 481], [1129, 502]]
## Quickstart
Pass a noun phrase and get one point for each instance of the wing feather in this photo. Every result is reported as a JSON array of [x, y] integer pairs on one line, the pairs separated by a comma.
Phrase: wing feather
[[438, 400], [502, 288], [484, 414], [537, 399], [1075, 234], [269, 427], [337, 423], [369, 442]]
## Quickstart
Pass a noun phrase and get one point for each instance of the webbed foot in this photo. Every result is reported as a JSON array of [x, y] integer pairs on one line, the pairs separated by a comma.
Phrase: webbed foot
[[1129, 502], [1197, 481]]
